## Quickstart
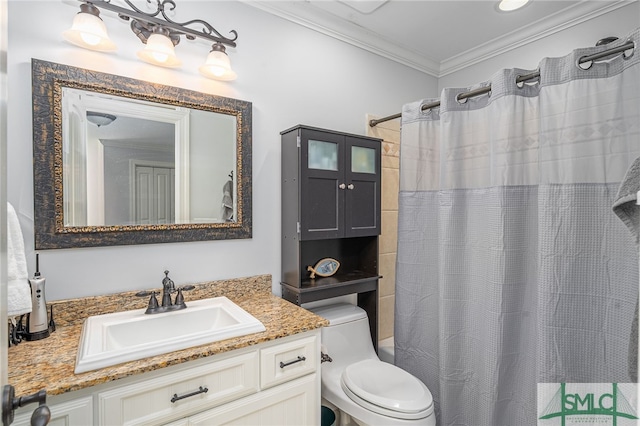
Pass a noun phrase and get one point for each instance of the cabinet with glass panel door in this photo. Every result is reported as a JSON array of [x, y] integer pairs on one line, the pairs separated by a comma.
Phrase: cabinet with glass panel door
[[330, 209]]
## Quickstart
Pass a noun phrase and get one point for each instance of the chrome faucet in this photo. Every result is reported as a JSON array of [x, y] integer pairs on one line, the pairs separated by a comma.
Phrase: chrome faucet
[[168, 287]]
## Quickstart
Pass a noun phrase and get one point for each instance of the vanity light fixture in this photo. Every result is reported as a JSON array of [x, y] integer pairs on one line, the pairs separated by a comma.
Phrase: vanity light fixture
[[511, 5], [156, 30], [217, 65], [159, 49], [89, 31]]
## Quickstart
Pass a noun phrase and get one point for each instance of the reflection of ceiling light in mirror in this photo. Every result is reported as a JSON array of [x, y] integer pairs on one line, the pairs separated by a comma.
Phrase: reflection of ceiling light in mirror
[[89, 31], [510, 5], [217, 66], [100, 118], [159, 51]]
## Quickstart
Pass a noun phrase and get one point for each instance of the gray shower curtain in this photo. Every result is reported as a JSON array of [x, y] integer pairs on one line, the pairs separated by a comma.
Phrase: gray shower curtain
[[512, 269]]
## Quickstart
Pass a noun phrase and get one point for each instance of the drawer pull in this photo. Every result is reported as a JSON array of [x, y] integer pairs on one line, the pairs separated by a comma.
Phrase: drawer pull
[[199, 391], [285, 364]]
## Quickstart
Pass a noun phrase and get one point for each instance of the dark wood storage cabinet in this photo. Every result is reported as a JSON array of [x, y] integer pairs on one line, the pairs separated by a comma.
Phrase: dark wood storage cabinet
[[331, 208]]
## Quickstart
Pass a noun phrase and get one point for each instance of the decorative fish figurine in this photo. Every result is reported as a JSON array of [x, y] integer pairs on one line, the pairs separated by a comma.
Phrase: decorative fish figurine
[[324, 268]]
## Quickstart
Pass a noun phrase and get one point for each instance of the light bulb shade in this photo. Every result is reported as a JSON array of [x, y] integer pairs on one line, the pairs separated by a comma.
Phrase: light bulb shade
[[89, 31], [100, 118], [159, 51], [510, 5], [217, 66]]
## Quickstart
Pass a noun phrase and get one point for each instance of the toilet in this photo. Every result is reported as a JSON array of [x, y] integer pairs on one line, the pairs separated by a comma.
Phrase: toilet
[[365, 390]]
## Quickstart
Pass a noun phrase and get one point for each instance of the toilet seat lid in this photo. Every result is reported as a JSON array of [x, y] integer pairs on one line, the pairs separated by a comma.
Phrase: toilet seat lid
[[386, 386]]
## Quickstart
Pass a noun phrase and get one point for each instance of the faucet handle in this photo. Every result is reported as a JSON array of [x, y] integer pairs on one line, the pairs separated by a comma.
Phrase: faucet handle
[[180, 298], [153, 301]]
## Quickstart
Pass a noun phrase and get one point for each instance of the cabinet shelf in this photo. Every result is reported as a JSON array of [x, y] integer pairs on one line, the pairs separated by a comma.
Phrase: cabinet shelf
[[344, 279], [311, 290]]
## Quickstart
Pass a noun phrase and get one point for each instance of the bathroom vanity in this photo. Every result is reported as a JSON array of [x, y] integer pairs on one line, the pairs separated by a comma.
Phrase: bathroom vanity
[[271, 377]]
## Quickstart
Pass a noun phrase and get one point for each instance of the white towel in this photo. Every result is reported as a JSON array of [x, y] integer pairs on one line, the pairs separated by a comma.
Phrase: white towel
[[19, 292]]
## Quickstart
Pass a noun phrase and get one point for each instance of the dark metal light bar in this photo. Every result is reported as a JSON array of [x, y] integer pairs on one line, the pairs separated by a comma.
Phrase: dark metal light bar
[[208, 32]]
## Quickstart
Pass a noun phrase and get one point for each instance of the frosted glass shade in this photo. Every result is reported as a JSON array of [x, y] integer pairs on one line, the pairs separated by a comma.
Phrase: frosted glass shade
[[509, 5], [218, 67], [89, 31], [100, 118], [159, 51]]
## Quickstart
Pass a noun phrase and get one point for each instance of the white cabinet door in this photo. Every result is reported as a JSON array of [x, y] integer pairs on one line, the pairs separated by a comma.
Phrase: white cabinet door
[[294, 403], [77, 412]]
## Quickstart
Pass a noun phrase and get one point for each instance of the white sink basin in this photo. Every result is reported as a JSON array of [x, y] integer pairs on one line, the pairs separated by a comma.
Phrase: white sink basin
[[112, 339]]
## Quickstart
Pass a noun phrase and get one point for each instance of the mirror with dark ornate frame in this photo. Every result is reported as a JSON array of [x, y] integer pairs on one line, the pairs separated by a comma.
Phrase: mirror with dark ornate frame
[[119, 161]]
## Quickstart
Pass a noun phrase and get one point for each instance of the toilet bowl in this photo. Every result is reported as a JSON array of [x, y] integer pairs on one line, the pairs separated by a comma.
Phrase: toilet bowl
[[366, 390]]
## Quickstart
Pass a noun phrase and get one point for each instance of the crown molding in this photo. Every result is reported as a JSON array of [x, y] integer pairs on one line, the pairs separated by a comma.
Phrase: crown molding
[[555, 23], [304, 14], [314, 18]]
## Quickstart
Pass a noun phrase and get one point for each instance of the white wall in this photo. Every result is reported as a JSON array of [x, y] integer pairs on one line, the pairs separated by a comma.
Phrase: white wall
[[291, 75], [618, 23]]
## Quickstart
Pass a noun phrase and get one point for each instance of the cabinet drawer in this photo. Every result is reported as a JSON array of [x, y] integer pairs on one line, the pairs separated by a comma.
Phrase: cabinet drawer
[[295, 403], [149, 402], [287, 361]]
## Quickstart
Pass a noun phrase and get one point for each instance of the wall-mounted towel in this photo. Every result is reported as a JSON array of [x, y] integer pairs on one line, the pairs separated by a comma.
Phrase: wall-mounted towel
[[19, 293], [628, 211]]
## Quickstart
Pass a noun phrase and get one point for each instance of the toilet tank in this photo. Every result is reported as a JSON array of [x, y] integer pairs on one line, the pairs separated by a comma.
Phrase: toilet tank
[[347, 338]]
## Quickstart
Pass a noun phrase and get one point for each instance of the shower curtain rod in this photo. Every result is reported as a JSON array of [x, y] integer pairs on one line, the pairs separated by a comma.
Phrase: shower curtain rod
[[519, 79]]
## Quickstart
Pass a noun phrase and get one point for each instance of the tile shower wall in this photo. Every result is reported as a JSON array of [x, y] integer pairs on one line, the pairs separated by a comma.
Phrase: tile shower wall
[[389, 132]]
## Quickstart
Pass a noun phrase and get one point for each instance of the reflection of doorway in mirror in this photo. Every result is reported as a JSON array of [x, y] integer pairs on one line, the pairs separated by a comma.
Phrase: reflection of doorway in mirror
[[120, 161], [153, 195]]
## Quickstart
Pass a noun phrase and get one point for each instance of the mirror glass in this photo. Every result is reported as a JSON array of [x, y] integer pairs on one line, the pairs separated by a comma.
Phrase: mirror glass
[[123, 161], [132, 162]]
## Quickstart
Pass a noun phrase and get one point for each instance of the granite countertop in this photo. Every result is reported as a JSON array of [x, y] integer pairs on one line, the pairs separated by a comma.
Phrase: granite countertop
[[49, 363]]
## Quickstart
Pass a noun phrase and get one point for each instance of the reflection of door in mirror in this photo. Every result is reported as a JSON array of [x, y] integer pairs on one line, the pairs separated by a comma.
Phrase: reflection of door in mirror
[[133, 162], [153, 195]]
